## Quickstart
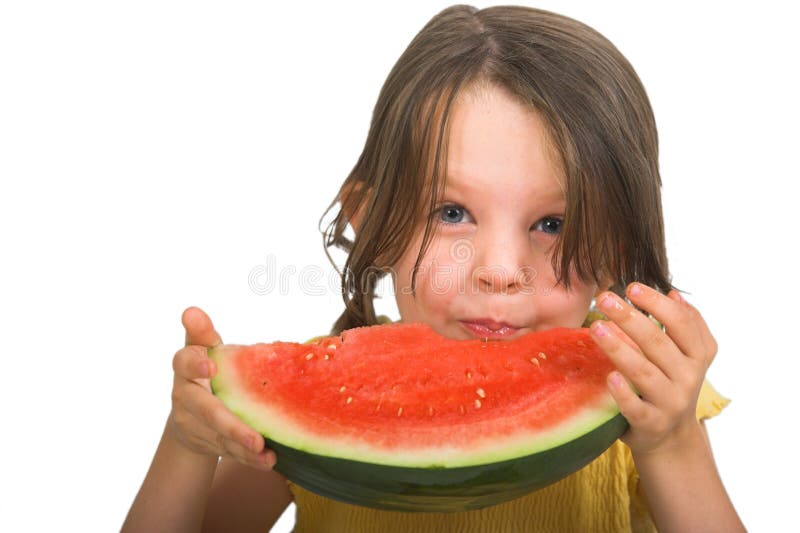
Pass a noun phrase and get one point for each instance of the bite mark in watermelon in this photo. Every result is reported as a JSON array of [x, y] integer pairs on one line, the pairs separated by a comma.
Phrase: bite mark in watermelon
[[399, 417]]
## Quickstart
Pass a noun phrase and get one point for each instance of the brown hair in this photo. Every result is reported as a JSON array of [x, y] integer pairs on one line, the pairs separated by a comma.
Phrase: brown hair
[[600, 123]]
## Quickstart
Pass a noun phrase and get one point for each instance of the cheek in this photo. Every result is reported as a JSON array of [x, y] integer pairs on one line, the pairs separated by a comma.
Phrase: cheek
[[569, 307], [402, 293], [435, 288], [435, 292]]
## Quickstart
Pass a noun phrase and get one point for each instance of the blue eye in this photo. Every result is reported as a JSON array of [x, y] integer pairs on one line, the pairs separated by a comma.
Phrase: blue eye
[[454, 214], [550, 225]]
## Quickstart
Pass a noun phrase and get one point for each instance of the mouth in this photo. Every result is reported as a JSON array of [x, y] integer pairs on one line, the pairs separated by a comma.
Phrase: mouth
[[489, 329]]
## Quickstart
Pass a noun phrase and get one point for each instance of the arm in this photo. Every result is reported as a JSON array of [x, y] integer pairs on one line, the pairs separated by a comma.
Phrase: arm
[[691, 469], [199, 430], [245, 499], [660, 376], [174, 492], [184, 490]]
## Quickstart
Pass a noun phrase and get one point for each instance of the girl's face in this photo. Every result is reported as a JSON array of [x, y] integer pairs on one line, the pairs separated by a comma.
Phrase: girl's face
[[487, 272]]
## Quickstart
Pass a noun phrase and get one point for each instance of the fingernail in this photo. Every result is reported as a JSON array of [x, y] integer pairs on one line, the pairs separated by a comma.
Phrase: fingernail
[[599, 329], [615, 378], [248, 442], [609, 302], [204, 369], [636, 289]]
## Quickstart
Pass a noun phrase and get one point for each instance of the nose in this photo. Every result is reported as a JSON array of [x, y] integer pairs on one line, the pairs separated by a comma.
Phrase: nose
[[502, 263]]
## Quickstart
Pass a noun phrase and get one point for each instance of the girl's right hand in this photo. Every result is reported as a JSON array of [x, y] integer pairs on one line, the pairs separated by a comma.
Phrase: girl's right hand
[[199, 420]]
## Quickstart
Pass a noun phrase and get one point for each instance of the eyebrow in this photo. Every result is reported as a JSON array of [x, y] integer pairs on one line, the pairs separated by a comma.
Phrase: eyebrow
[[464, 186]]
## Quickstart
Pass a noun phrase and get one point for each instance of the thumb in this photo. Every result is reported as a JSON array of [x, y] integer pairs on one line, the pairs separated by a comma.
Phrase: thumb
[[199, 329]]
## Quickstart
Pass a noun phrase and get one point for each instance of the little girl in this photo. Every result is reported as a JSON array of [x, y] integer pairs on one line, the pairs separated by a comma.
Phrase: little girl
[[509, 179]]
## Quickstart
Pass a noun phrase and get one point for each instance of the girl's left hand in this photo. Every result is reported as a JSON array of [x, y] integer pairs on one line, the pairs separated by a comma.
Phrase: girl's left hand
[[667, 368]]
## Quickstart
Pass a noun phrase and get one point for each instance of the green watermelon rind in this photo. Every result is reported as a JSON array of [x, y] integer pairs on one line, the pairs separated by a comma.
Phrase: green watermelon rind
[[457, 489]]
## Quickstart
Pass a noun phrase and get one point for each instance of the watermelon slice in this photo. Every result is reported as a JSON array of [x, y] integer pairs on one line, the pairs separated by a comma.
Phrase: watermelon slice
[[399, 417]]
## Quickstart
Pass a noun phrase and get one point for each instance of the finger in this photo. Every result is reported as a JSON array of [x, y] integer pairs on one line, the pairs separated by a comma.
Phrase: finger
[[192, 363], [199, 329], [636, 410], [207, 439], [211, 412], [263, 458], [709, 342], [642, 373], [656, 346], [682, 323], [622, 336]]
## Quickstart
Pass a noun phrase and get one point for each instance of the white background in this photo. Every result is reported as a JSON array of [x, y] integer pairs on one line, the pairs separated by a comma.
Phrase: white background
[[152, 154]]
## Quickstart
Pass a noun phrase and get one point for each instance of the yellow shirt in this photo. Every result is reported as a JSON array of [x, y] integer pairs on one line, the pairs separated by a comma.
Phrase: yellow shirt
[[601, 497]]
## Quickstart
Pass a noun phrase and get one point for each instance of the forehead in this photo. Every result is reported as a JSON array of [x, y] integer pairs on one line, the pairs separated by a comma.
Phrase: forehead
[[496, 144]]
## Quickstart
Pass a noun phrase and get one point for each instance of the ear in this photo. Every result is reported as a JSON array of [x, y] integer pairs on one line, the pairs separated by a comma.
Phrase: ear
[[352, 197]]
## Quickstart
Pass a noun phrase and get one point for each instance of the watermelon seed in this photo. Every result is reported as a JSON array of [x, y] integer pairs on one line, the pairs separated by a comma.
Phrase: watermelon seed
[[342, 388], [535, 361], [400, 411], [542, 355], [477, 404], [309, 356], [380, 402], [481, 393], [349, 400], [331, 346], [327, 357], [469, 375]]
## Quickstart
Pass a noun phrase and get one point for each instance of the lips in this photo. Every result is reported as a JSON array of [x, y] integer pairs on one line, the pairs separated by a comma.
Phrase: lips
[[487, 328]]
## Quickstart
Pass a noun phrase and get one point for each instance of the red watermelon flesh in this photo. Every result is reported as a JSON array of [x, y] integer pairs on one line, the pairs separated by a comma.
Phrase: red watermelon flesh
[[403, 395]]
